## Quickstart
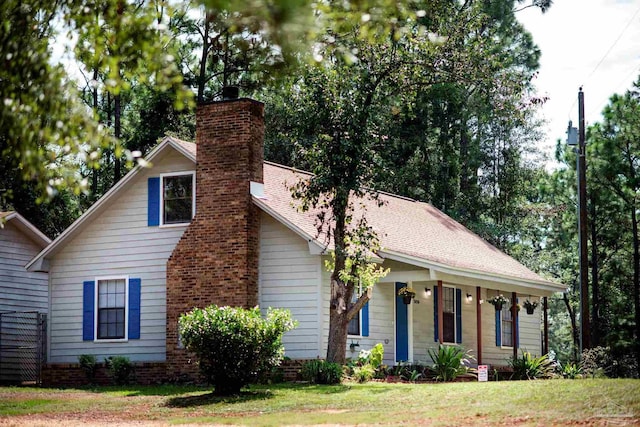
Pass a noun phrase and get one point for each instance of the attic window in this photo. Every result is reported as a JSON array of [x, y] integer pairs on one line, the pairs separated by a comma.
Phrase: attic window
[[178, 198]]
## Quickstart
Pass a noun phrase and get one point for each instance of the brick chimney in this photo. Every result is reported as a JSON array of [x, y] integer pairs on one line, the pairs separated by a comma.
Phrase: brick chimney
[[216, 260]]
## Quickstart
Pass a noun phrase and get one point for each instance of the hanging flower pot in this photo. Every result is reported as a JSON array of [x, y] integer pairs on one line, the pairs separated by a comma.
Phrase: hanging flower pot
[[530, 306], [407, 294], [498, 301]]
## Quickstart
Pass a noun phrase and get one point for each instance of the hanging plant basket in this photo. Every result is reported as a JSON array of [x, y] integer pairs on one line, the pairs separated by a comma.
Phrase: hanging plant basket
[[407, 294], [530, 306], [498, 301]]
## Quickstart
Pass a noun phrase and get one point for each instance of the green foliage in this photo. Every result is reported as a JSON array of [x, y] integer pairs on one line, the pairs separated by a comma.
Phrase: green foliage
[[529, 367], [449, 362], [571, 371], [363, 373], [320, 371], [120, 369], [89, 365], [234, 346], [372, 357]]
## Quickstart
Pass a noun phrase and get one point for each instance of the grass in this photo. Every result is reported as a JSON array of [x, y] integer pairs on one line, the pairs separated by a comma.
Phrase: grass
[[572, 402]]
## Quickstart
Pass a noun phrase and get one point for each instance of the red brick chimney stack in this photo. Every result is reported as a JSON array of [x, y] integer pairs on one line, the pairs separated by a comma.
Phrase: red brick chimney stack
[[216, 260]]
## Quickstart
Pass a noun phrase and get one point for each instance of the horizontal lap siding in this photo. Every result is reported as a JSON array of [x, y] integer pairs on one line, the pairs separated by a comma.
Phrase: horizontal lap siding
[[20, 290], [289, 278], [529, 331], [117, 242], [381, 320], [423, 325]]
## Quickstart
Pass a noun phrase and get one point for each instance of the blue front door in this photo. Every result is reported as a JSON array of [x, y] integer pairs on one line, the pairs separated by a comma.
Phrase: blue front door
[[402, 327]]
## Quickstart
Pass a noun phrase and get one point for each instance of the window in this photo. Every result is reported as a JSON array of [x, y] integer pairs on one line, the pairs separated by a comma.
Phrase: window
[[448, 315], [178, 198], [354, 324], [506, 326], [111, 307]]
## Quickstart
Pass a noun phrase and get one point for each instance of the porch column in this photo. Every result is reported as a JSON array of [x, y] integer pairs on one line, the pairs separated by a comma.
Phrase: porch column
[[440, 316], [514, 324], [545, 344], [479, 325]]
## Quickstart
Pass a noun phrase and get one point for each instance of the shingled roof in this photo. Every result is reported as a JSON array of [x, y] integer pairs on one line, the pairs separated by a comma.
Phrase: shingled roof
[[404, 226]]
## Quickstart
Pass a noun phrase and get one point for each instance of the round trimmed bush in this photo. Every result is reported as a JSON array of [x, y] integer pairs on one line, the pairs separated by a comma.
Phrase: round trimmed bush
[[234, 346]]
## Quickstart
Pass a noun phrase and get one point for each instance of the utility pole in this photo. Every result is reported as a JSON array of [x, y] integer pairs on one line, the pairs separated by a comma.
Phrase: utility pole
[[585, 330]]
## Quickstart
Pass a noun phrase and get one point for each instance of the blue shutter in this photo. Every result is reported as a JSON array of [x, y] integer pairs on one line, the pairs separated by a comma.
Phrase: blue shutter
[[365, 320], [517, 337], [458, 316], [88, 302], [498, 329], [153, 204], [134, 309], [435, 313]]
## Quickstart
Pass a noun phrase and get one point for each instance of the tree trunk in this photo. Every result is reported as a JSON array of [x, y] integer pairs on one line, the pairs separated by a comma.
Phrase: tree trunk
[[636, 281], [94, 170], [595, 301], [340, 292], [117, 133], [575, 333], [203, 59]]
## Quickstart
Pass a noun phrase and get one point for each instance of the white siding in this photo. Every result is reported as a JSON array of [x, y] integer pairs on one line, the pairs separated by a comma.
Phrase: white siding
[[381, 320], [20, 290], [290, 278], [529, 331], [423, 324], [116, 242]]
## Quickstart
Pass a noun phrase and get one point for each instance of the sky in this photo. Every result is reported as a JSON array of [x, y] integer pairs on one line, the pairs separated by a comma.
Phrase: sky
[[590, 43]]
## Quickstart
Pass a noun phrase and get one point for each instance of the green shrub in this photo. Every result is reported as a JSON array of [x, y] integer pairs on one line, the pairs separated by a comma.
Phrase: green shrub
[[89, 365], [571, 371], [120, 369], [597, 362], [371, 358], [449, 362], [234, 346], [529, 367], [363, 373], [322, 372]]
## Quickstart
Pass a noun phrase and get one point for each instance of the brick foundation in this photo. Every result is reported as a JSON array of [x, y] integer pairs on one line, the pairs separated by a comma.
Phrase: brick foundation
[[71, 375], [216, 260]]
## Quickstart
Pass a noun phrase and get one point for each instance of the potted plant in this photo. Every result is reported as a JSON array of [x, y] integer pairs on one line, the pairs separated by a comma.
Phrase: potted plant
[[530, 306], [407, 294], [498, 301]]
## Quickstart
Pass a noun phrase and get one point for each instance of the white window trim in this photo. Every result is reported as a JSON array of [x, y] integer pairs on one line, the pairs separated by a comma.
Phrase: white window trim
[[506, 347], [455, 317], [359, 321], [126, 309], [193, 197]]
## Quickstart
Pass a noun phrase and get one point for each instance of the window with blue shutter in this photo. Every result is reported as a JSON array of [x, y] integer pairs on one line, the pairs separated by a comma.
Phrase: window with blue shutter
[[498, 329], [458, 316], [153, 202], [134, 308], [111, 322], [435, 314], [359, 325], [365, 320], [88, 302]]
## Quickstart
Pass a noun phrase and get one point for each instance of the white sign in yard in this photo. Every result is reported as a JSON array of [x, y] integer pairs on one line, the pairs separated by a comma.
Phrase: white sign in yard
[[483, 372]]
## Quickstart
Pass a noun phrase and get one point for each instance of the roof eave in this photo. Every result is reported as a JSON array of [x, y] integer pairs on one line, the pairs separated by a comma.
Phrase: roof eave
[[542, 285], [36, 235]]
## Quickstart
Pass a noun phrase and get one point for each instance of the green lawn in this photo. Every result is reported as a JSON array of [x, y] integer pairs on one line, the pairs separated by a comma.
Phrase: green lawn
[[573, 402]]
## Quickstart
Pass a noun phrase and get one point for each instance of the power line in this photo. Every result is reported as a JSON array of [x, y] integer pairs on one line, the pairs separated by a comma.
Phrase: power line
[[613, 45], [626, 27]]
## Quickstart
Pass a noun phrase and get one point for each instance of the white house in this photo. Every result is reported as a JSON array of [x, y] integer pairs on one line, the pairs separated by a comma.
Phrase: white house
[[212, 222], [23, 299]]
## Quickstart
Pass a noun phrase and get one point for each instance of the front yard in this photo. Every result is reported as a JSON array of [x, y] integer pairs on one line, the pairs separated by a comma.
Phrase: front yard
[[568, 402]]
